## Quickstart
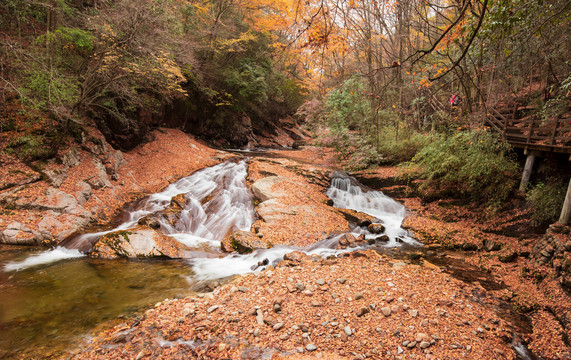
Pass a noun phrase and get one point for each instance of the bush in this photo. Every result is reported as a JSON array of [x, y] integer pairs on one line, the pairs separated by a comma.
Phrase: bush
[[472, 164], [393, 150], [545, 200], [31, 148]]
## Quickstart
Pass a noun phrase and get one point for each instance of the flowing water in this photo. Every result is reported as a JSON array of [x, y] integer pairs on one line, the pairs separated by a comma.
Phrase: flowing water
[[53, 296]]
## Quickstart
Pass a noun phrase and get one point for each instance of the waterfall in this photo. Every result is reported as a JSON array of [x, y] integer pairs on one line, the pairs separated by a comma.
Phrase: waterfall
[[216, 201], [347, 193]]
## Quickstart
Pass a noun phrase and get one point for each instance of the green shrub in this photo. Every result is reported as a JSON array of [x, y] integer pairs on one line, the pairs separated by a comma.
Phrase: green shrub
[[545, 201], [393, 150], [31, 148], [472, 164]]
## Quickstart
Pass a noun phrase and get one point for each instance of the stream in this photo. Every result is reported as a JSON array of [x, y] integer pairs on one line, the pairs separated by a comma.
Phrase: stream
[[52, 298]]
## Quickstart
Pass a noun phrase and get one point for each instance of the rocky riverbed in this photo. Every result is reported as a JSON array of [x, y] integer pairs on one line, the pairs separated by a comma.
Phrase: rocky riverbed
[[360, 304]]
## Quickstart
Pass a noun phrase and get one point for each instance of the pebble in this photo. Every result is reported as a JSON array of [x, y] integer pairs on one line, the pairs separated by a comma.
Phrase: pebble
[[363, 311], [399, 350], [311, 347], [278, 326], [386, 311], [242, 289], [424, 344], [222, 347], [341, 280], [277, 308], [347, 330], [411, 345], [299, 286], [320, 282], [358, 296], [212, 308], [256, 332], [413, 313]]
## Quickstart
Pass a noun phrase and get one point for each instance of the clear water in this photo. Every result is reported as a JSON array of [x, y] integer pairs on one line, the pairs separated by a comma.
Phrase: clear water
[[44, 309]]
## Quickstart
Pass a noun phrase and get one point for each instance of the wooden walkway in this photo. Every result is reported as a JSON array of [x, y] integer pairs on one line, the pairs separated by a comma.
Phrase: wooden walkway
[[531, 133]]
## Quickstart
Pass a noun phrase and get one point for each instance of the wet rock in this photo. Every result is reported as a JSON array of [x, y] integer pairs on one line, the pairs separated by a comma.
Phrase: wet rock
[[296, 256], [262, 189], [359, 218], [137, 243], [376, 228], [346, 240], [244, 242], [382, 239]]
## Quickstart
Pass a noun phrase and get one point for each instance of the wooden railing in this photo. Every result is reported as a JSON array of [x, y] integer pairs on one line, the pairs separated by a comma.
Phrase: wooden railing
[[533, 133]]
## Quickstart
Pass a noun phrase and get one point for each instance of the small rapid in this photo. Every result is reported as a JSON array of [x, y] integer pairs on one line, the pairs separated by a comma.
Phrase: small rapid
[[347, 193], [217, 200]]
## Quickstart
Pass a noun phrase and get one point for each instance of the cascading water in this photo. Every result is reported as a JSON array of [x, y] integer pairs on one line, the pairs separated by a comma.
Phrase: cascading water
[[347, 193], [218, 200]]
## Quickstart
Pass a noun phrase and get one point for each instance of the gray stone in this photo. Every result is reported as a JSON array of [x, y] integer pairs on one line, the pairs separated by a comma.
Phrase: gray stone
[[347, 330], [311, 347], [262, 189], [212, 308]]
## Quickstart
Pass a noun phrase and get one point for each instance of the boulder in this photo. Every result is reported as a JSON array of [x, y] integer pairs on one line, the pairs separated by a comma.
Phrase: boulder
[[262, 188], [273, 210], [17, 234], [100, 179], [376, 228], [243, 242], [359, 218], [137, 243], [84, 193]]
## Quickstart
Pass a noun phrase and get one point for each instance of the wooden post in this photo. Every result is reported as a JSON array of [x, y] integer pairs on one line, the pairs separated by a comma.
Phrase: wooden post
[[566, 211], [527, 171]]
